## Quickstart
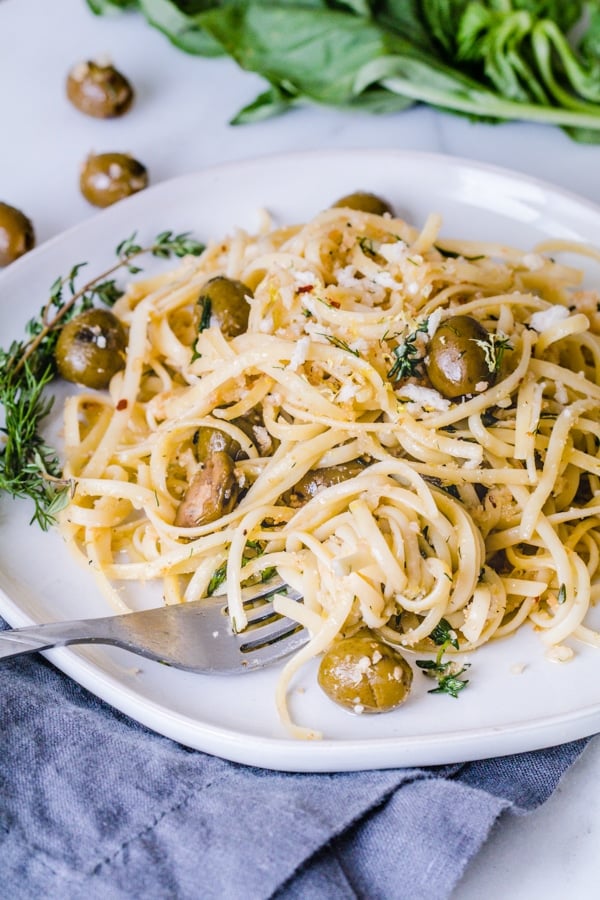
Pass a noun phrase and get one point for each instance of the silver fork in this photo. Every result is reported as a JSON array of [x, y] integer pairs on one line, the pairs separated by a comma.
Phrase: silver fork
[[196, 636]]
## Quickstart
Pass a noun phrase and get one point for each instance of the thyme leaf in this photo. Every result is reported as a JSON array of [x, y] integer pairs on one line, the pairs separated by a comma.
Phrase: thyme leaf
[[447, 674], [342, 345], [407, 355]]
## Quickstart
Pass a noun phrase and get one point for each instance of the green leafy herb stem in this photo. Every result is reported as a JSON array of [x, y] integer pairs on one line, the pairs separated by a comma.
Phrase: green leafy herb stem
[[448, 674], [407, 356], [29, 468], [491, 61]]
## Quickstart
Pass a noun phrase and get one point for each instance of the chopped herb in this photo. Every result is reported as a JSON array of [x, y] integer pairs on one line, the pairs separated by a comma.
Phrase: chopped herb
[[407, 358], [562, 595], [448, 674], [220, 574], [489, 418], [367, 246], [206, 312], [204, 303], [494, 347], [451, 489], [451, 254], [218, 577], [444, 634], [342, 345], [268, 573]]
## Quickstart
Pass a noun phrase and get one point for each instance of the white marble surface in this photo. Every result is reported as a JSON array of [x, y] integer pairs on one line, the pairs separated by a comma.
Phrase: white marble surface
[[178, 125]]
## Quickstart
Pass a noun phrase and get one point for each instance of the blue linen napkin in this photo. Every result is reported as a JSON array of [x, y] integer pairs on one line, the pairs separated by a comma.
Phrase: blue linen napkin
[[96, 806]]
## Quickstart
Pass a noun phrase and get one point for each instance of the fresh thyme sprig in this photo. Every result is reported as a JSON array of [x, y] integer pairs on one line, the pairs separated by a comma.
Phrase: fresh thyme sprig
[[448, 674], [340, 344], [406, 354], [58, 310], [29, 468]]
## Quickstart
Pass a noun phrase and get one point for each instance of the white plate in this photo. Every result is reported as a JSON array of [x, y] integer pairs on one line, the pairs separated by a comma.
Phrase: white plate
[[501, 711]]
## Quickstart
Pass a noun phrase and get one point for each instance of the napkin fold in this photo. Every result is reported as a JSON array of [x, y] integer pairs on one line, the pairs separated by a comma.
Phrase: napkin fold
[[95, 806]]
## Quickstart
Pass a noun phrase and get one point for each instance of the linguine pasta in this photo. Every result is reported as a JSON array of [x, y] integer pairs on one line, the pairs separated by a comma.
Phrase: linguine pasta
[[384, 502]]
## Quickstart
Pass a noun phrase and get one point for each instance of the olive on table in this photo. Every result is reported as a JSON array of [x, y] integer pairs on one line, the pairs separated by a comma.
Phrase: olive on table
[[108, 177], [365, 202], [363, 674], [457, 363], [91, 348], [16, 234], [223, 301], [99, 90], [212, 492]]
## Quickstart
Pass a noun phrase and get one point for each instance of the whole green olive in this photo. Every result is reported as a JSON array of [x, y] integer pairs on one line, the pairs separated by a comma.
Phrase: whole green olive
[[363, 674], [317, 480], [16, 234], [212, 492], [223, 302], [91, 348], [457, 363], [99, 90], [365, 202], [108, 177]]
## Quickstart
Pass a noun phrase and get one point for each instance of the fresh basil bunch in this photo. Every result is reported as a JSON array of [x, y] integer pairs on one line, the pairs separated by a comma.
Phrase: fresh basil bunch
[[504, 59]]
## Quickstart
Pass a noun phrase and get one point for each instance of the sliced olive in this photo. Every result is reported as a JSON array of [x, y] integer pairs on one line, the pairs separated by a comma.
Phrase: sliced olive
[[212, 492], [457, 362], [108, 177], [16, 234], [365, 202], [91, 348], [316, 480], [363, 674], [98, 89]]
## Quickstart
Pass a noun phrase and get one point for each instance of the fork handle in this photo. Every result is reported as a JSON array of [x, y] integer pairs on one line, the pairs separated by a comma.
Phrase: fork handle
[[18, 641]]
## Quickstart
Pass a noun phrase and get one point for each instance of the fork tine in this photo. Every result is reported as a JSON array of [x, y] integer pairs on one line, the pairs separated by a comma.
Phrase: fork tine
[[269, 589], [195, 636], [277, 630], [269, 635], [257, 618], [258, 654]]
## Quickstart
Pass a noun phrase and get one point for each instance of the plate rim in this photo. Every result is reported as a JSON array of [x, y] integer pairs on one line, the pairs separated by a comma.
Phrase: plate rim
[[287, 753]]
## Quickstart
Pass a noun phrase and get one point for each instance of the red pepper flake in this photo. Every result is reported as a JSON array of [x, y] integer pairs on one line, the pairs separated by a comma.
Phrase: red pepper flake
[[335, 304], [122, 404], [304, 288]]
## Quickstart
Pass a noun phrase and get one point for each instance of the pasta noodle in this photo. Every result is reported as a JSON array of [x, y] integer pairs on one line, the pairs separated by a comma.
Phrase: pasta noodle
[[386, 503]]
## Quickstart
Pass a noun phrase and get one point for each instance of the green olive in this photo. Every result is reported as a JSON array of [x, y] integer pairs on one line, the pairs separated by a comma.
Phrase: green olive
[[365, 202], [16, 234], [457, 363], [317, 480], [210, 440], [108, 177], [212, 492], [91, 348], [223, 302], [363, 674], [99, 90]]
